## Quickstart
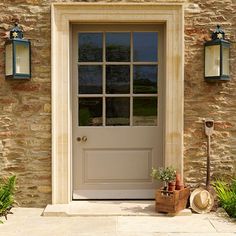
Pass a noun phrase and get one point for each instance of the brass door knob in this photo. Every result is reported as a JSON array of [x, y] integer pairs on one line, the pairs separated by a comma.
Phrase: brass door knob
[[83, 139]]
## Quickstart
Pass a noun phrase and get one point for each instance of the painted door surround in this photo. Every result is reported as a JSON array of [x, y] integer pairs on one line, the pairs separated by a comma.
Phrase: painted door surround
[[169, 13]]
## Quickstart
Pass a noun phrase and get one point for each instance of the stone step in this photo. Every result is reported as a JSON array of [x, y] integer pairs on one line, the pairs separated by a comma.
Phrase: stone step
[[108, 208]]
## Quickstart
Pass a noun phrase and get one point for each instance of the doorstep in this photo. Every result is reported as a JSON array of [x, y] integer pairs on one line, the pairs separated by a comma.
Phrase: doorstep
[[107, 208]]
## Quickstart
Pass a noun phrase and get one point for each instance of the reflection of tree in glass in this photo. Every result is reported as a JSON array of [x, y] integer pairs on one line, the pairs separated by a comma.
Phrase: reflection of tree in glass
[[90, 110], [90, 47], [89, 52], [117, 79], [118, 107], [117, 46], [117, 53], [117, 111], [145, 79], [90, 79]]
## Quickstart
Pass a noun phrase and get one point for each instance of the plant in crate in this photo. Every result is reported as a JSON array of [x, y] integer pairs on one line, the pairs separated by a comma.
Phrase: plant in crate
[[168, 200]]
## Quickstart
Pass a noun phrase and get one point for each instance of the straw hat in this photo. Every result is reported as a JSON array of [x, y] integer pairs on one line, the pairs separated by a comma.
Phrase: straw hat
[[201, 201]]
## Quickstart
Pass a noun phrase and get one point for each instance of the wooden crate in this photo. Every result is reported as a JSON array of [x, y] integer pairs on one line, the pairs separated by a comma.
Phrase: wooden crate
[[172, 202]]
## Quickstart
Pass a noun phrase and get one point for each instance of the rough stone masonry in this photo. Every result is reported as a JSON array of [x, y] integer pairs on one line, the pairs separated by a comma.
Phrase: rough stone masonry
[[25, 110]]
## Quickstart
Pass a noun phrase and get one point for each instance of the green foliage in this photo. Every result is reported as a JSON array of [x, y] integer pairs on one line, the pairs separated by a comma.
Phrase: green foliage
[[7, 187], [227, 196], [164, 174], [84, 117]]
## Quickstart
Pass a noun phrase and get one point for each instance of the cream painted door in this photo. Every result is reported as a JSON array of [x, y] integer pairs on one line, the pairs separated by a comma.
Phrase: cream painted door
[[117, 110]]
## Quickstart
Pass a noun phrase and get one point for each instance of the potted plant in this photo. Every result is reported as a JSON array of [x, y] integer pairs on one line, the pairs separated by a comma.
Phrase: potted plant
[[167, 200], [166, 175]]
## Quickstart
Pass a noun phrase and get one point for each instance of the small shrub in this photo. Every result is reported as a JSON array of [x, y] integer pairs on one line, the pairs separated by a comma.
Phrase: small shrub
[[7, 187], [166, 175], [227, 196]]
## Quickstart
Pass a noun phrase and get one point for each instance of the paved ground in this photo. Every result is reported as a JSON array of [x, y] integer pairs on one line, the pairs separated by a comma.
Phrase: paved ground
[[29, 222]]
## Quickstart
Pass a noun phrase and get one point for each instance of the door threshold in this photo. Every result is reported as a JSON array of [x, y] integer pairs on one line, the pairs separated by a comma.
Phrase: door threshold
[[118, 194], [103, 208], [115, 200]]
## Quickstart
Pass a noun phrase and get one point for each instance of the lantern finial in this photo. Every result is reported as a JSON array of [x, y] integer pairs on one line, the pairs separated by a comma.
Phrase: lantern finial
[[218, 33], [16, 32]]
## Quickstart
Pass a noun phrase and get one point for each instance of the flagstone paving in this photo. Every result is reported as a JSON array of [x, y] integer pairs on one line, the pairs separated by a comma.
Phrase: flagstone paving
[[30, 222]]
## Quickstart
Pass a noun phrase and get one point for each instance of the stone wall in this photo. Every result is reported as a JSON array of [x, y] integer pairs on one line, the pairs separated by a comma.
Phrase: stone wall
[[25, 111], [202, 99], [25, 106]]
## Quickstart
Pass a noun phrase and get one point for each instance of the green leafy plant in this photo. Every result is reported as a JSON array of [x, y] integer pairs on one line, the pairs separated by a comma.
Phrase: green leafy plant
[[166, 175], [7, 187], [226, 193]]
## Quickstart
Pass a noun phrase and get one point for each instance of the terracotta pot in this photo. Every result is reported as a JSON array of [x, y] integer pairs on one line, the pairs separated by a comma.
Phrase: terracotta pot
[[178, 182], [179, 187], [178, 177], [171, 186]]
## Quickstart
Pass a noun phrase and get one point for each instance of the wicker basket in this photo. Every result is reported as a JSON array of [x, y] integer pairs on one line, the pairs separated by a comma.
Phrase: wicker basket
[[172, 202]]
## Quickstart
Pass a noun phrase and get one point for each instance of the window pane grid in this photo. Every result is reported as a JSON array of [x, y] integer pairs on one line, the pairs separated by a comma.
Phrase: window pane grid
[[131, 78], [118, 63], [131, 95]]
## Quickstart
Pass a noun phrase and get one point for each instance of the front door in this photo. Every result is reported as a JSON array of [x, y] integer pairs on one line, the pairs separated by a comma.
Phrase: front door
[[117, 110]]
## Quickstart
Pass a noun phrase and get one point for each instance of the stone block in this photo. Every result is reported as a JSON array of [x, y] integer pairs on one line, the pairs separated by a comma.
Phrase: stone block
[[44, 189]]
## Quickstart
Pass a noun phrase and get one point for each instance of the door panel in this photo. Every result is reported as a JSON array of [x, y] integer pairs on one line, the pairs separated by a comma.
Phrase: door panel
[[95, 160], [117, 110]]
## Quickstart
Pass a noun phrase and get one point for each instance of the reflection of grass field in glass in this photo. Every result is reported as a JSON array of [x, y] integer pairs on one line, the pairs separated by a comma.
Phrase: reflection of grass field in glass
[[87, 119], [145, 106], [144, 120], [144, 86], [144, 113], [145, 89], [117, 121]]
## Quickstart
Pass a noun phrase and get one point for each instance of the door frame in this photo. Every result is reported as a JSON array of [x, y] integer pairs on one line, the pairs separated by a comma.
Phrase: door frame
[[62, 15]]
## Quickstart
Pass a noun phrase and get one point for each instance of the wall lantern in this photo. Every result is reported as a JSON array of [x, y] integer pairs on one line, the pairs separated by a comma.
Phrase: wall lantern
[[17, 55], [217, 57]]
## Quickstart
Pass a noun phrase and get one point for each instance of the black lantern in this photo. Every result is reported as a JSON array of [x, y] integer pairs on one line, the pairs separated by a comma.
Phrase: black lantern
[[217, 57], [17, 55]]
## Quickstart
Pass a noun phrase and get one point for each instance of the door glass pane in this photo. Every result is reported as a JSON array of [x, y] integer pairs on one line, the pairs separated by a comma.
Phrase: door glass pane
[[90, 47], [145, 111], [145, 79], [118, 47], [117, 79], [90, 79], [117, 111], [90, 111], [145, 46]]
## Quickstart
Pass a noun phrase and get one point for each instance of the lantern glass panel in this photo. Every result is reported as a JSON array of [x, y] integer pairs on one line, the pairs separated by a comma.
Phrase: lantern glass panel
[[9, 60], [22, 58], [212, 60], [225, 62]]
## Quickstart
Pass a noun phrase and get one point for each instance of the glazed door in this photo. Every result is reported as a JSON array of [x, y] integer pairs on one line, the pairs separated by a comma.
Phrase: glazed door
[[117, 110]]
